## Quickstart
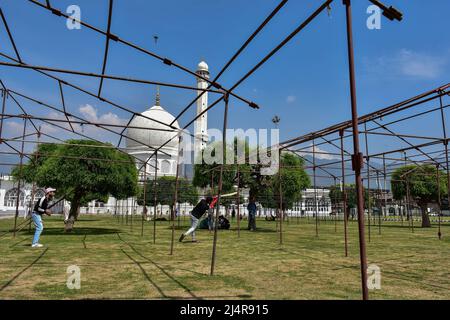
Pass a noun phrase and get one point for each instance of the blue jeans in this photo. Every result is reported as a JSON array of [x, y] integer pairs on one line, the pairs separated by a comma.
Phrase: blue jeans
[[252, 220], [37, 219], [211, 221]]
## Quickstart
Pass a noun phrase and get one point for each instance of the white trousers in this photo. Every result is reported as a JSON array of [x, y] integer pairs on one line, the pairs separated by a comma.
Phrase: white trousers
[[194, 225]]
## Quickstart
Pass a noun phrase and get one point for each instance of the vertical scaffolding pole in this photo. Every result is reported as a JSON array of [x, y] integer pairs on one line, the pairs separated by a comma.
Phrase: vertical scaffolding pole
[[144, 211], [4, 95], [380, 212], [438, 178], [357, 156], [280, 190], [131, 213], [126, 211], [155, 198], [212, 192], [408, 201], [175, 197], [385, 186], [334, 207], [444, 130], [368, 180], [20, 176], [216, 219], [238, 201], [408, 205], [344, 192], [315, 189], [115, 211]]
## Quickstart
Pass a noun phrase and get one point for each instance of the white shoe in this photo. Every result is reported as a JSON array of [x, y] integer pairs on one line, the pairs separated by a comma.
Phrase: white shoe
[[37, 245]]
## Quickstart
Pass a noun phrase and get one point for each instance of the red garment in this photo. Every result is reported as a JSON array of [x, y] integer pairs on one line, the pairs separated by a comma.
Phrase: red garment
[[213, 202]]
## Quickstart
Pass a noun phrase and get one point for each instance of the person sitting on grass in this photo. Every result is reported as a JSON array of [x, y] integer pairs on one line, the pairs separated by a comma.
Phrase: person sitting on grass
[[40, 208], [199, 210]]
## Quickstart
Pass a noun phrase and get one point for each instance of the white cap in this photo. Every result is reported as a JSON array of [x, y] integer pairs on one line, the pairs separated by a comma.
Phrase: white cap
[[49, 190]]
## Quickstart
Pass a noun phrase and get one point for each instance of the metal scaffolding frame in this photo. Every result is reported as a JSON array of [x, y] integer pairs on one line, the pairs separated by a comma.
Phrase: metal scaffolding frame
[[333, 136]]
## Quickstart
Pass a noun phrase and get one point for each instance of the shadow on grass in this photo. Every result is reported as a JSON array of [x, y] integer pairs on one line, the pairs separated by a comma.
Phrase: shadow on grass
[[86, 219], [19, 242], [181, 285], [258, 230], [7, 284], [76, 231], [405, 226], [154, 284]]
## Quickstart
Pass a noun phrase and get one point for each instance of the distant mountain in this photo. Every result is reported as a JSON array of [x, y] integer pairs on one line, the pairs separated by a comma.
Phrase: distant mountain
[[325, 179], [4, 159]]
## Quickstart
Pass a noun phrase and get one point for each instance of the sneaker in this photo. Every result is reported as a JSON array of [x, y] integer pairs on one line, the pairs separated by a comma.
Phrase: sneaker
[[37, 245], [182, 237]]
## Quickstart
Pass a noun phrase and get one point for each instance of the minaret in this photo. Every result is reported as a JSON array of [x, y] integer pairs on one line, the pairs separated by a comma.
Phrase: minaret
[[201, 124], [158, 97]]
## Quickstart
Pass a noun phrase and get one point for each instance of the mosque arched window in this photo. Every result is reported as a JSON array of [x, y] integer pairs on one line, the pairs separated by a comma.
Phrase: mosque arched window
[[165, 166], [11, 198], [38, 194]]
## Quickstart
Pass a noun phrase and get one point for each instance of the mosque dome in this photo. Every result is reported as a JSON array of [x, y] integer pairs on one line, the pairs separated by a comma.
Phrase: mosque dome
[[139, 139]]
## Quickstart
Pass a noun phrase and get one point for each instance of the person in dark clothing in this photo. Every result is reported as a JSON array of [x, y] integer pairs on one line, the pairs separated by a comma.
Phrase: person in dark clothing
[[233, 214], [251, 207], [40, 208], [198, 211]]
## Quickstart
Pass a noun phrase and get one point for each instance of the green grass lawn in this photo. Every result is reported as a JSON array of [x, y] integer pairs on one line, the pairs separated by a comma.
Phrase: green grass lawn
[[117, 263]]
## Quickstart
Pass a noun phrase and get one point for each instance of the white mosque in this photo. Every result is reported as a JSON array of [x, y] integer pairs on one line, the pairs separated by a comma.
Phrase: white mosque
[[141, 143]]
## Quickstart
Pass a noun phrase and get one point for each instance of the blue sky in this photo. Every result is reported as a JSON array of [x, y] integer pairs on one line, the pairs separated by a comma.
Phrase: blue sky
[[305, 84]]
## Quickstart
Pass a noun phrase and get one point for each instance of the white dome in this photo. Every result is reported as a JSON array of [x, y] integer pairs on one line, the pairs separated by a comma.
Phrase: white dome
[[202, 66], [153, 138]]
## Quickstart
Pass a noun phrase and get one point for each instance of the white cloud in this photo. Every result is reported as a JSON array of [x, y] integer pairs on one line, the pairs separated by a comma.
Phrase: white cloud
[[88, 113], [320, 154], [291, 99], [13, 129], [91, 114], [408, 63]]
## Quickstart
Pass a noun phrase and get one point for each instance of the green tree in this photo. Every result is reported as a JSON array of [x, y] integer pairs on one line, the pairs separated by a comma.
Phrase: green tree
[[265, 188], [206, 176], [165, 192], [81, 171], [336, 193], [423, 186], [294, 179]]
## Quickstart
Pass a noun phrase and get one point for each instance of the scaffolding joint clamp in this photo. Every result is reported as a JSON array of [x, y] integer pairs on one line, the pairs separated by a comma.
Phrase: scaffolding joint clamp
[[253, 105], [56, 12], [357, 161], [216, 85], [113, 37]]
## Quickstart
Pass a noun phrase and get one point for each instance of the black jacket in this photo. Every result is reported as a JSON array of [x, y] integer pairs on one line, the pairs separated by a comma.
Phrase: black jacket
[[200, 209], [41, 205]]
